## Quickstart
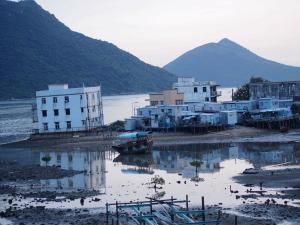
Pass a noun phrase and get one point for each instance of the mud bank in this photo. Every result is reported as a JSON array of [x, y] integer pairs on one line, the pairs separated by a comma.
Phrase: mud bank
[[11, 171], [237, 134]]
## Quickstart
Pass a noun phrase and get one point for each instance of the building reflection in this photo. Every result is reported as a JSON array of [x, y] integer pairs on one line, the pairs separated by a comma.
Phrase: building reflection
[[141, 164], [178, 161], [91, 163]]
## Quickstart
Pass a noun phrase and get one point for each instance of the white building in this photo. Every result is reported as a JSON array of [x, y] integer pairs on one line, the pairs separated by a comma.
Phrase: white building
[[197, 91], [69, 109]]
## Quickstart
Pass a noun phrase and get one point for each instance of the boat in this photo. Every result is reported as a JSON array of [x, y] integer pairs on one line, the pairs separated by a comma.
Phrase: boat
[[133, 143]]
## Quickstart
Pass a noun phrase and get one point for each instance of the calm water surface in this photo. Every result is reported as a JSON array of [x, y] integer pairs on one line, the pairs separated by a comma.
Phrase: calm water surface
[[126, 178]]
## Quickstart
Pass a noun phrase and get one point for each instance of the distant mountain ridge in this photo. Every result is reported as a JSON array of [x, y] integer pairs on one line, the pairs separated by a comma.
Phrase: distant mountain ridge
[[229, 64], [36, 49]]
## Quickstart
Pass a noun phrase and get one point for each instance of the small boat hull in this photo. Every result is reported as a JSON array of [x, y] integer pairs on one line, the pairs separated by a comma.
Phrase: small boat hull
[[135, 148]]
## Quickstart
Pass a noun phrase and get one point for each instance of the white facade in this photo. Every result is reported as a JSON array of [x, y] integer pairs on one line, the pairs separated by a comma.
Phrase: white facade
[[69, 109], [197, 91], [228, 117]]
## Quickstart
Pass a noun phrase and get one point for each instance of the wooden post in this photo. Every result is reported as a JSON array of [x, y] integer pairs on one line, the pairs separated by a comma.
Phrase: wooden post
[[106, 213], [235, 220], [203, 208], [117, 212], [187, 202], [172, 214], [151, 210]]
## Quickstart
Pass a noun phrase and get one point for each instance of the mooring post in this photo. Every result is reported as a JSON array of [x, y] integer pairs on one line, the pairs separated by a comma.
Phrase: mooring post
[[151, 210], [172, 213], [187, 202], [235, 220], [203, 208], [117, 212], [106, 213]]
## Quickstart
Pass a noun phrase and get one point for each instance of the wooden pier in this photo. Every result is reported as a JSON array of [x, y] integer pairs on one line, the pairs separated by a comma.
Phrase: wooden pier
[[165, 211], [291, 122]]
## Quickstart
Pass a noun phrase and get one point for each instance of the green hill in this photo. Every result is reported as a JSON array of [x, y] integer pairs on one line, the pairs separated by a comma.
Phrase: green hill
[[36, 49]]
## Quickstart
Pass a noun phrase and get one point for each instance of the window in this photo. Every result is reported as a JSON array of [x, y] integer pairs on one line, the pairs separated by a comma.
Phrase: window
[[45, 126], [170, 111], [80, 97], [153, 103], [54, 99], [67, 99], [56, 125], [82, 109], [43, 100], [94, 108], [204, 89], [44, 113], [68, 111], [162, 110], [83, 122], [161, 102], [207, 99], [195, 89], [56, 112], [178, 102], [69, 125]]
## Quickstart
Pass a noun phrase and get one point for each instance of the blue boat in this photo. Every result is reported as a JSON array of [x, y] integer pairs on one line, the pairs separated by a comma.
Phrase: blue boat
[[133, 143]]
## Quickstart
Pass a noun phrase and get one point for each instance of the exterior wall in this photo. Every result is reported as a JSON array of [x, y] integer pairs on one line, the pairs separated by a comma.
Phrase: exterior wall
[[228, 117], [268, 103], [85, 105], [168, 97], [195, 91], [239, 105], [279, 90], [210, 118]]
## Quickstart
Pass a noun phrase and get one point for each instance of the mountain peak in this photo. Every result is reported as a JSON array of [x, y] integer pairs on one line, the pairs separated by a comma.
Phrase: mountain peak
[[226, 41]]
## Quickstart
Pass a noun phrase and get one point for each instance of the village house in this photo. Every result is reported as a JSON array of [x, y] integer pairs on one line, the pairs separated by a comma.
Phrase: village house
[[278, 90], [168, 97], [64, 109], [197, 91]]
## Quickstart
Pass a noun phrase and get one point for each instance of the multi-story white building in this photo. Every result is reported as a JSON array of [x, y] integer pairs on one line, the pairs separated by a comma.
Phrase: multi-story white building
[[197, 91], [69, 109]]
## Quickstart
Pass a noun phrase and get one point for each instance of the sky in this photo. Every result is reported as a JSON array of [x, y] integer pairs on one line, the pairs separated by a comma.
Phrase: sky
[[158, 31]]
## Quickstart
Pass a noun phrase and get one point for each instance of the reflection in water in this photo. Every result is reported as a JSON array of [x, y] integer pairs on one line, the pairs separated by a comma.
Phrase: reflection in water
[[91, 163], [125, 178]]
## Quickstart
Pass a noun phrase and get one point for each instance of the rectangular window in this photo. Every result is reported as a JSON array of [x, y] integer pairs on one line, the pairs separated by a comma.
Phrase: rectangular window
[[82, 109], [161, 102], [207, 99], [195, 90], [83, 122], [54, 99], [67, 99], [44, 113], [179, 102], [43, 100], [45, 126], [94, 108], [56, 112], [56, 125], [68, 112], [204, 89], [69, 126]]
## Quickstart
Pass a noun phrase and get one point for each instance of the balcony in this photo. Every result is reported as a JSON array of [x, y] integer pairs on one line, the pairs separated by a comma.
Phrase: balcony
[[216, 93]]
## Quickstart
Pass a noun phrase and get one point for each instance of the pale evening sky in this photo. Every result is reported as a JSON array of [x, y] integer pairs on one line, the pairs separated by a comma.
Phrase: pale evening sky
[[157, 31]]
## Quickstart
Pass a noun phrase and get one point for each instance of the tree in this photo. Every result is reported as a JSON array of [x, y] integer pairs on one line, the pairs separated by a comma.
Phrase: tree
[[46, 159], [196, 164], [295, 108], [157, 180], [243, 93]]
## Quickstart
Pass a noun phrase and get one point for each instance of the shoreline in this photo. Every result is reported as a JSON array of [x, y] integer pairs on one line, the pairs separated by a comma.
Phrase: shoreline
[[239, 134]]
